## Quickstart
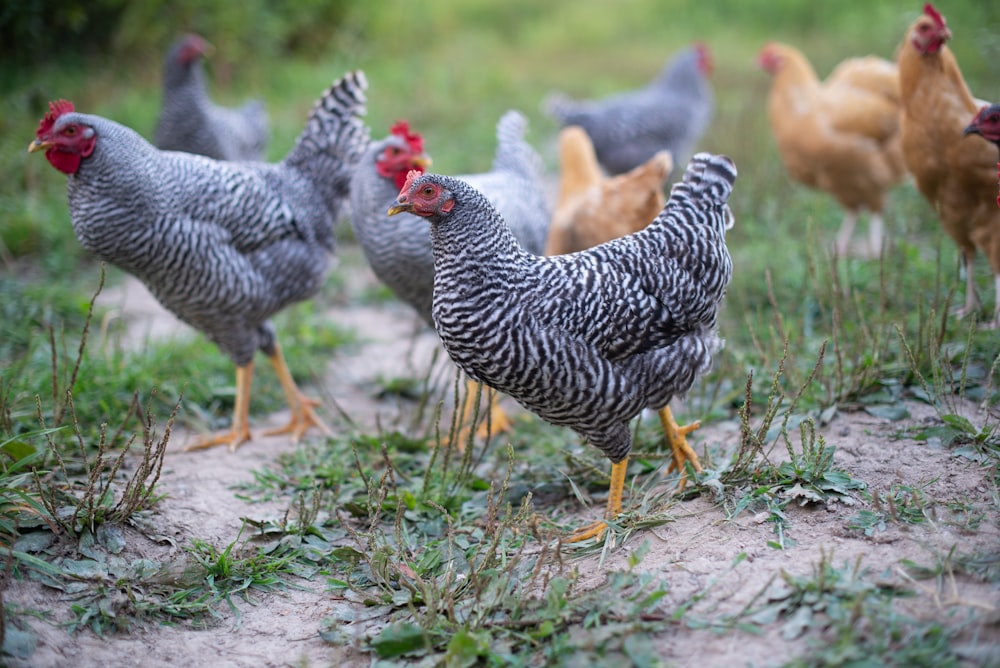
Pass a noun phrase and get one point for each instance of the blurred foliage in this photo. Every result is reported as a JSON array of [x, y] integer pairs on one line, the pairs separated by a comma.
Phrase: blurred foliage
[[45, 30]]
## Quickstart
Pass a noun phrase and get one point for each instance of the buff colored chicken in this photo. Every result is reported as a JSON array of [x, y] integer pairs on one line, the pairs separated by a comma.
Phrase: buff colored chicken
[[955, 174], [593, 208], [840, 135]]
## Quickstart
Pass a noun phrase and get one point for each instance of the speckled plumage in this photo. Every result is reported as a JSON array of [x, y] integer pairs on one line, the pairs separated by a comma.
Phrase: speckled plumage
[[189, 121], [628, 128], [586, 340], [222, 245], [398, 248]]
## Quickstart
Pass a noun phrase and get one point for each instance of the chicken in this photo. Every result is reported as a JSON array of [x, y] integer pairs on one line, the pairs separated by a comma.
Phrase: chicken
[[223, 245], [987, 125], [586, 340], [399, 249], [956, 175], [593, 209], [840, 135], [190, 121], [670, 113]]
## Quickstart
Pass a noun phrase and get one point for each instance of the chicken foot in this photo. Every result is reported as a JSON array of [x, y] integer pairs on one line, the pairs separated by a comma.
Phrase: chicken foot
[[303, 415], [677, 440], [676, 437], [614, 507], [239, 433]]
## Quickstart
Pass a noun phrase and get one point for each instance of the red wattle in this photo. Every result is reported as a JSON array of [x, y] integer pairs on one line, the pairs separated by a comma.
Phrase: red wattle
[[67, 163]]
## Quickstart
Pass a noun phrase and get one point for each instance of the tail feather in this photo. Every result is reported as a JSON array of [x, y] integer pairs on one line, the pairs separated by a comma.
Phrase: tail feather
[[513, 153], [708, 177], [334, 127]]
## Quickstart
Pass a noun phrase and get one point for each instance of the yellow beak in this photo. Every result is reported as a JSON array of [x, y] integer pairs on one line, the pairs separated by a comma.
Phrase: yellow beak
[[398, 208], [38, 145]]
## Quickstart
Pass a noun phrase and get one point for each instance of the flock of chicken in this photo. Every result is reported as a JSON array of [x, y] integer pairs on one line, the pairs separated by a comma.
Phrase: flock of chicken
[[872, 122], [587, 314]]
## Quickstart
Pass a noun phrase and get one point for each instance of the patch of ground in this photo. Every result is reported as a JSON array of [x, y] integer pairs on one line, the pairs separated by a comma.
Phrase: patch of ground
[[694, 554]]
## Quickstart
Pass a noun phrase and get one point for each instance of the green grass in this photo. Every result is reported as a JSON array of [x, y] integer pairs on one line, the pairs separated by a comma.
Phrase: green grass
[[448, 545]]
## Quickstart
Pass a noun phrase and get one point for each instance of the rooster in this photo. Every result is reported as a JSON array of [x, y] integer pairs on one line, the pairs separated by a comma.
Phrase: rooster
[[986, 124], [223, 245], [586, 340], [840, 135], [190, 121], [399, 249], [955, 175], [592, 208], [670, 113]]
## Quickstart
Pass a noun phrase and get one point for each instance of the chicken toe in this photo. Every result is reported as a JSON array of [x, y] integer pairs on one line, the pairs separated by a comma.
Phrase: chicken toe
[[677, 439], [303, 415]]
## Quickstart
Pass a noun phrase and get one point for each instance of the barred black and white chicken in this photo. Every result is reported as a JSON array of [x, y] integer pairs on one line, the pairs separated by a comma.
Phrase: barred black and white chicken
[[223, 245], [586, 340], [670, 113], [399, 248], [189, 120]]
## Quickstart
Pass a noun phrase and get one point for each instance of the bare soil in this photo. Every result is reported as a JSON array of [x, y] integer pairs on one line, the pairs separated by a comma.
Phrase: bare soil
[[696, 548]]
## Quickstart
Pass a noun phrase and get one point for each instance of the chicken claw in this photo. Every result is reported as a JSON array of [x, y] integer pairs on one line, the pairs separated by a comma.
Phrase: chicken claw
[[677, 439]]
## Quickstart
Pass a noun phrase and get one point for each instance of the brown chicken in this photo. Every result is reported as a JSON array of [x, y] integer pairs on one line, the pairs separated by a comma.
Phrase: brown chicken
[[593, 208], [840, 135], [956, 174]]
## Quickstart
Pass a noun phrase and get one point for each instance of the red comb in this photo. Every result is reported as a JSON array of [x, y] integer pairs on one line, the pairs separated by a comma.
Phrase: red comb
[[56, 109], [411, 176], [413, 139], [934, 14]]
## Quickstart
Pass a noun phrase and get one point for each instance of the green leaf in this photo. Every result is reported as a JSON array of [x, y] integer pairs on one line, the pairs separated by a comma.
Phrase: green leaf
[[18, 450], [960, 423], [18, 643], [111, 537], [464, 650], [399, 639], [891, 412], [86, 569]]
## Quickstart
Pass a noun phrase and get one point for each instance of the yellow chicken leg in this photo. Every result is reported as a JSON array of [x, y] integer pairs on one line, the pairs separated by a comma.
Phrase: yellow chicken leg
[[303, 415], [677, 439], [614, 508], [682, 452], [239, 433]]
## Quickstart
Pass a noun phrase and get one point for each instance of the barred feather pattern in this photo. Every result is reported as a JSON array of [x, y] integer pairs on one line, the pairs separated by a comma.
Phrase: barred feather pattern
[[627, 129], [398, 248], [222, 245], [586, 340], [189, 121]]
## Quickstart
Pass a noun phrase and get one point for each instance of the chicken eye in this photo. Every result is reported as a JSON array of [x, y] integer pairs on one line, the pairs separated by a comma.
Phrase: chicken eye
[[394, 151], [70, 131], [428, 191]]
